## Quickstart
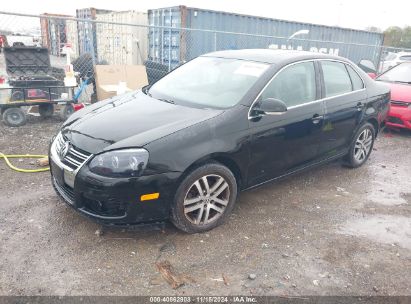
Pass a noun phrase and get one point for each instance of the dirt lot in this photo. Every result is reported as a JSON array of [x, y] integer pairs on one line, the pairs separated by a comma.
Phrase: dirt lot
[[329, 231]]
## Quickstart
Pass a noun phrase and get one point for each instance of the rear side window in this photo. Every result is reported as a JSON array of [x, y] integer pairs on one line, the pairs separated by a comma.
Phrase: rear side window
[[356, 80], [295, 85], [336, 78]]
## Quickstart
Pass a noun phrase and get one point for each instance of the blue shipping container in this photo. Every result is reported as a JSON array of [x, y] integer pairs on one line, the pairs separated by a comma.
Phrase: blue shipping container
[[87, 36], [170, 45]]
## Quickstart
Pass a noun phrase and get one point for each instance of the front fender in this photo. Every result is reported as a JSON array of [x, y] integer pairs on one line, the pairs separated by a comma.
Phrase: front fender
[[221, 136]]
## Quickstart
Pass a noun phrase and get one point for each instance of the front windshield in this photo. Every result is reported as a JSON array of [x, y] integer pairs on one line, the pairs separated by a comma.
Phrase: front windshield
[[400, 73], [209, 82]]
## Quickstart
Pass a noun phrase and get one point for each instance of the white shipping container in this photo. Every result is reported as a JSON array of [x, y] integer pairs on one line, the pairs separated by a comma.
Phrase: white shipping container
[[122, 44], [72, 37]]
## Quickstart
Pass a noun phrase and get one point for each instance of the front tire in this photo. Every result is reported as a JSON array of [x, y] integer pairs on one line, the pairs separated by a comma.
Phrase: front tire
[[204, 198], [361, 146]]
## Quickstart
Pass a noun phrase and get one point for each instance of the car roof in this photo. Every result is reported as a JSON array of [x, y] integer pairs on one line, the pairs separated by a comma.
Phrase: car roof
[[272, 56]]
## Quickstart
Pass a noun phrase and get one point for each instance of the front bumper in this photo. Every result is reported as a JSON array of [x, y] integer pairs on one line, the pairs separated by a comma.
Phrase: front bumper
[[116, 201], [399, 117]]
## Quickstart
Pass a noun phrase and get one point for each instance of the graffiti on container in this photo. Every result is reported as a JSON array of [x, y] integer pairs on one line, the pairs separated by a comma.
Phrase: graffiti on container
[[322, 50]]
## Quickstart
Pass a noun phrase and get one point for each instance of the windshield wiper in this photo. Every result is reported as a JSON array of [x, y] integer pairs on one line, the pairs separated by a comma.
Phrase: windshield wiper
[[145, 90], [167, 100]]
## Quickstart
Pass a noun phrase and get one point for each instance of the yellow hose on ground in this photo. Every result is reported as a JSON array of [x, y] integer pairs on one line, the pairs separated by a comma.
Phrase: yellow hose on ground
[[6, 159]]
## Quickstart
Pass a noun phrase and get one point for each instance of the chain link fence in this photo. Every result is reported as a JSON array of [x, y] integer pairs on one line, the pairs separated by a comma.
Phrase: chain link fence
[[390, 55], [127, 38]]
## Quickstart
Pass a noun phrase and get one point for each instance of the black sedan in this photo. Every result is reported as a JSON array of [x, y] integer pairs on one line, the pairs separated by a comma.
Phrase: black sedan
[[224, 122]]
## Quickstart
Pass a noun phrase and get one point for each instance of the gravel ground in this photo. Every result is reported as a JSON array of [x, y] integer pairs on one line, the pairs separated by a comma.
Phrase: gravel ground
[[328, 231]]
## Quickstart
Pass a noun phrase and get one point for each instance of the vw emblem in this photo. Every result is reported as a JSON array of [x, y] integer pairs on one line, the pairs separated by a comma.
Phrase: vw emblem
[[64, 149]]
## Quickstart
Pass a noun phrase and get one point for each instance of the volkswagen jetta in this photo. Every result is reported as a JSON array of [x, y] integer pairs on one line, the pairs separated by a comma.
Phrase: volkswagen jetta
[[228, 121]]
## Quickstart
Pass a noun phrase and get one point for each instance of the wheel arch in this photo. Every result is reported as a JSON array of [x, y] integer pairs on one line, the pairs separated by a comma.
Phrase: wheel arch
[[221, 158], [375, 124]]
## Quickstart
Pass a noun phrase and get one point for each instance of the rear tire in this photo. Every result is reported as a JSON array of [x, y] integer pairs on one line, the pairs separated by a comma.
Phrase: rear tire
[[14, 117], [204, 198], [361, 146], [66, 111], [46, 110]]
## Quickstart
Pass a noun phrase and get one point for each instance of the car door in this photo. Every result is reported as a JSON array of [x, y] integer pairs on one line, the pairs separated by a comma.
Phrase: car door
[[280, 143], [344, 99]]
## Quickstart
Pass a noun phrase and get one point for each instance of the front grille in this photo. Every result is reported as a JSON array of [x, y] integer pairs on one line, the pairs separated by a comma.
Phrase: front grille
[[74, 157], [400, 103], [65, 191], [395, 120]]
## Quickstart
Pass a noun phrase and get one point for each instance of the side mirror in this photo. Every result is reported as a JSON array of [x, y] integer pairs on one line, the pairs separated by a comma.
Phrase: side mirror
[[367, 66], [271, 106]]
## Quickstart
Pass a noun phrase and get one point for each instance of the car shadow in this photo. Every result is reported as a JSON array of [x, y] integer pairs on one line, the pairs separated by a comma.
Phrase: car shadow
[[389, 132]]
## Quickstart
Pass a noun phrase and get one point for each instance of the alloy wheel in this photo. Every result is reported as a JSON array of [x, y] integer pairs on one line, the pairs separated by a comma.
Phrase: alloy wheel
[[206, 199], [363, 145]]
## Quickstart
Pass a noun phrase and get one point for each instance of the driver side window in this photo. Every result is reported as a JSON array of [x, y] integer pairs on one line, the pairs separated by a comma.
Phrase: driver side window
[[294, 85]]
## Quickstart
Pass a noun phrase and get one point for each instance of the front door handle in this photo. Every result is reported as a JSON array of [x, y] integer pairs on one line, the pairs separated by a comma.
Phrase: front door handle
[[317, 118]]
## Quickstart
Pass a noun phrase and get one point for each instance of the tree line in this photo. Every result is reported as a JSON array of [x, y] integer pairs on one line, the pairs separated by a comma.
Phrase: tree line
[[395, 36]]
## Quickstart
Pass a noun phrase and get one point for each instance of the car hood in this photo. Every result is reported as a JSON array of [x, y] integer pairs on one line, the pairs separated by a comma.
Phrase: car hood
[[400, 92], [130, 120]]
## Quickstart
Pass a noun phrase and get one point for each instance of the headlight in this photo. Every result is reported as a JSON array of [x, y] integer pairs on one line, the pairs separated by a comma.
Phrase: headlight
[[120, 163]]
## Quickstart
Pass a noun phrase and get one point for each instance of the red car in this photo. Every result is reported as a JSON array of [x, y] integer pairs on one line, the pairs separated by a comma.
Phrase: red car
[[399, 79]]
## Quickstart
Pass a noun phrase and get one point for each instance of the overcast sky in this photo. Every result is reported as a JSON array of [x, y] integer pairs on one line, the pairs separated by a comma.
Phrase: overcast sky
[[357, 14]]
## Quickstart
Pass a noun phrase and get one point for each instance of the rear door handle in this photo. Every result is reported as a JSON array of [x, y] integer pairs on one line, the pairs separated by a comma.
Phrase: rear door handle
[[317, 118]]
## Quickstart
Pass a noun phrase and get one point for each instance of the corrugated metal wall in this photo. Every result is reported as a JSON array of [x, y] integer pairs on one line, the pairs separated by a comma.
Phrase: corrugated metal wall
[[87, 30], [72, 37], [57, 30], [165, 44], [122, 44], [44, 29], [274, 33], [53, 32]]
